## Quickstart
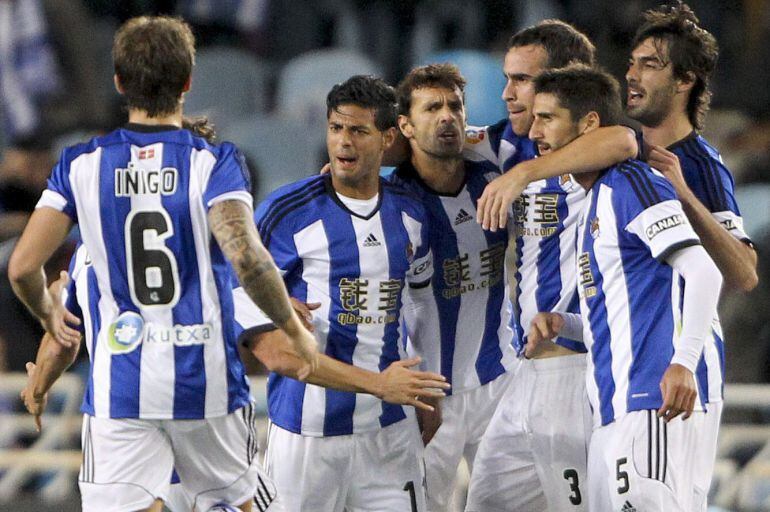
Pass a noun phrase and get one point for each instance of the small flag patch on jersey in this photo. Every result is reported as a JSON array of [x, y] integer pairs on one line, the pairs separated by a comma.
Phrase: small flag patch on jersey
[[371, 241], [462, 216], [146, 153]]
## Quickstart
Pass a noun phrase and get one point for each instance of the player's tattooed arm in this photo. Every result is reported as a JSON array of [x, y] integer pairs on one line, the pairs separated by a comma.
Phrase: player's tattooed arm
[[233, 227]]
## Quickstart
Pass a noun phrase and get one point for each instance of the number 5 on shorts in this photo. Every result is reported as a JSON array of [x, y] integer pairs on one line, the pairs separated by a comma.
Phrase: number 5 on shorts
[[622, 475]]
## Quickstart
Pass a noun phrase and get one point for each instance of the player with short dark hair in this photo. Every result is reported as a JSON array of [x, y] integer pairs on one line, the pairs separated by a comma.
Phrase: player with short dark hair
[[634, 242], [354, 247], [668, 77], [163, 215], [460, 326]]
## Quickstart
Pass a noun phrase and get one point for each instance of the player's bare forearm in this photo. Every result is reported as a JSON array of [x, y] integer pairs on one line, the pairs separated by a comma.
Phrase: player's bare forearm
[[275, 351], [52, 361], [736, 260], [44, 233], [592, 151], [233, 227], [396, 384]]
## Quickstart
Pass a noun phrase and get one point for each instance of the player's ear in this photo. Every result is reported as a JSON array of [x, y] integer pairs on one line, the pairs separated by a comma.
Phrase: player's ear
[[686, 83], [116, 80], [405, 126], [388, 137], [187, 84], [589, 122]]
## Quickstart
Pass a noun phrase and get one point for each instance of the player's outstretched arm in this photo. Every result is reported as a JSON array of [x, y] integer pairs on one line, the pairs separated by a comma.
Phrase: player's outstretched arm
[[51, 361], [592, 151], [45, 232], [701, 294], [233, 227], [736, 260], [397, 384]]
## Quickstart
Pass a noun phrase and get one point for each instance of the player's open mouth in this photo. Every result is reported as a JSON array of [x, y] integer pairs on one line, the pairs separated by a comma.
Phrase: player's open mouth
[[448, 135], [346, 162], [543, 148], [634, 97]]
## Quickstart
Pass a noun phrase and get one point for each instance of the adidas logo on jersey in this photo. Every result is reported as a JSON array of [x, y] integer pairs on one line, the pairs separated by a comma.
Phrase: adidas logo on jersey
[[462, 216], [371, 241], [627, 507]]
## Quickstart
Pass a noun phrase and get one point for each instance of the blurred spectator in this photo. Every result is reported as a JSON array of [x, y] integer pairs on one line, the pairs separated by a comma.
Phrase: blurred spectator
[[28, 72], [23, 174]]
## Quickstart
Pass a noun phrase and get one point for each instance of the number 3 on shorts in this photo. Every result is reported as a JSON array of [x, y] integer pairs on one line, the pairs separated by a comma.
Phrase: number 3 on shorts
[[571, 475]]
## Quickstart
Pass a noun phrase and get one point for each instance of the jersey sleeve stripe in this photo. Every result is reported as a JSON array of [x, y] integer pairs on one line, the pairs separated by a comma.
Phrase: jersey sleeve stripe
[[268, 228], [641, 193], [710, 175], [281, 201], [645, 179]]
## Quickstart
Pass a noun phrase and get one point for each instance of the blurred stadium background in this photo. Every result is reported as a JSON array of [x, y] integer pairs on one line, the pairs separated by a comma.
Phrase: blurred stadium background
[[263, 70]]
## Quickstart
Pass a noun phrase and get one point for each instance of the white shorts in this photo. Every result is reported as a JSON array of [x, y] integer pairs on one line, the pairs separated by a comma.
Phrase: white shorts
[[642, 463], [707, 426], [127, 463], [465, 417], [533, 456], [371, 471]]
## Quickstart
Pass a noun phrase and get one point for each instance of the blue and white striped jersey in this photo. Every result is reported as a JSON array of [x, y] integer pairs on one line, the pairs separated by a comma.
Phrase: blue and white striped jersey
[[461, 328], [712, 183], [629, 297], [357, 267], [543, 231], [161, 302]]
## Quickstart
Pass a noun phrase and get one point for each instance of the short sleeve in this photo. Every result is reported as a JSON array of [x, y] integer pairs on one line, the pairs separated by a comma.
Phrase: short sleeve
[[78, 272], [58, 193], [229, 178], [713, 185], [647, 207]]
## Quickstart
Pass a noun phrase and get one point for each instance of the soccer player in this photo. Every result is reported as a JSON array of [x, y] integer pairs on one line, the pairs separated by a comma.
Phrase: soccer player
[[533, 454], [460, 326], [354, 243], [634, 241], [161, 213], [668, 93]]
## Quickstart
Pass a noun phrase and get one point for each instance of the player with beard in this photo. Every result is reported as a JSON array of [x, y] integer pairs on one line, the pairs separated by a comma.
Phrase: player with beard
[[533, 454], [668, 93]]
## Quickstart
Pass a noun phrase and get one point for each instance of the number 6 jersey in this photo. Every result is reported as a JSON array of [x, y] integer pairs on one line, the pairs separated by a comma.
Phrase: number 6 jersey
[[161, 307]]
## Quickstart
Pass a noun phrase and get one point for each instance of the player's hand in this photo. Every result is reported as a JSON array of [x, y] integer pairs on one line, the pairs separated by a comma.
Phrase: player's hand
[[306, 347], [60, 320], [400, 385], [543, 328], [304, 311], [679, 393], [35, 404], [496, 200], [429, 421], [326, 169], [668, 164]]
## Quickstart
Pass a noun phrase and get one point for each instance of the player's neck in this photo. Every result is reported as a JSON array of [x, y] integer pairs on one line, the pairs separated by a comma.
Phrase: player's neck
[[141, 117], [674, 127], [443, 175], [586, 179], [360, 190]]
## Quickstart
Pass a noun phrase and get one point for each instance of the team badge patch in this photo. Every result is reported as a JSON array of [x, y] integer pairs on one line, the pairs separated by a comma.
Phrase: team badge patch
[[125, 333], [474, 136], [595, 228]]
